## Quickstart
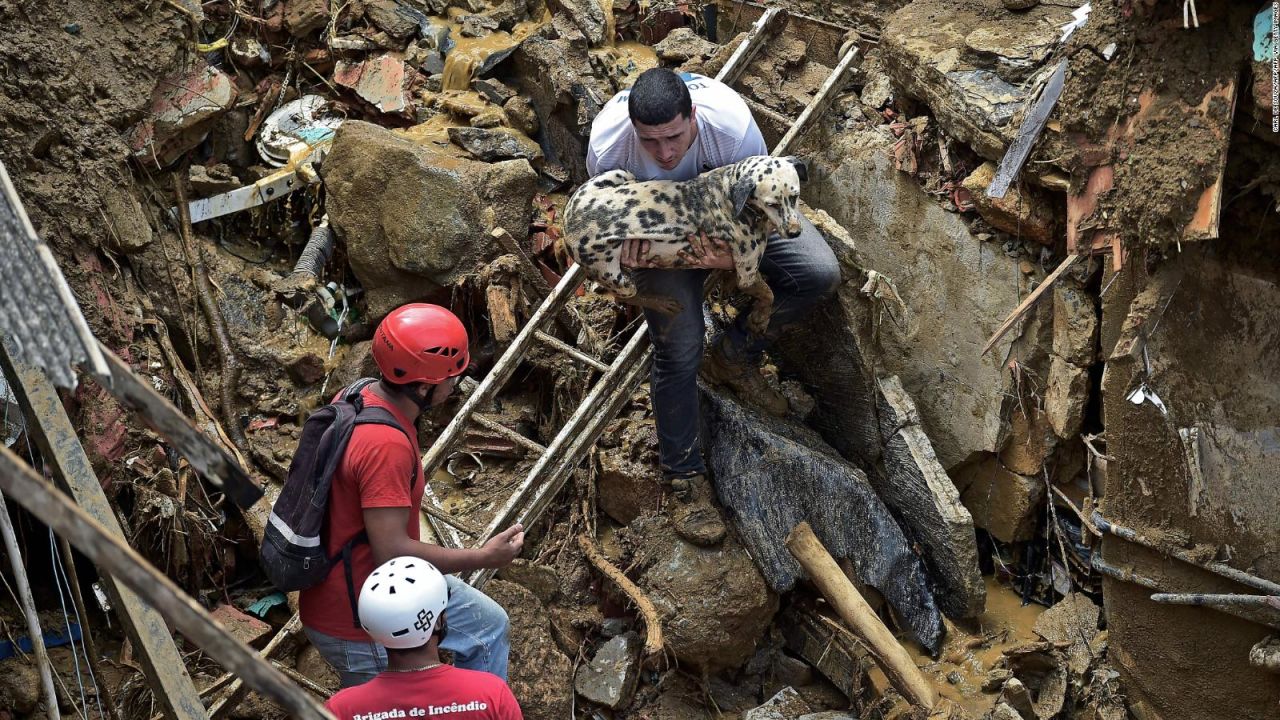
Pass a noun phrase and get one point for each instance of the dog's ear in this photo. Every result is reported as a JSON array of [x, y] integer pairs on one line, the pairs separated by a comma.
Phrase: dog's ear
[[802, 167], [741, 193]]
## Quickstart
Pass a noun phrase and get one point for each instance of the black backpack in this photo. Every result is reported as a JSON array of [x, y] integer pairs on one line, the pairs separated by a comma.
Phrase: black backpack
[[293, 546]]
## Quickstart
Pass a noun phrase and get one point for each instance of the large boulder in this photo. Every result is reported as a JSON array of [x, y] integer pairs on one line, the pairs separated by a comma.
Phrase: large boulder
[[416, 219], [540, 676], [713, 601], [921, 297]]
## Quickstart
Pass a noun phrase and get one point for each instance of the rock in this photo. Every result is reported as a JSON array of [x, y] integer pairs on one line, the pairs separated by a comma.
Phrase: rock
[[830, 715], [475, 26], [996, 678], [969, 64], [682, 45], [629, 484], [410, 215], [1024, 213], [1265, 654], [590, 16], [539, 674], [537, 579], [923, 498], [427, 60], [521, 116], [938, 293], [492, 145], [127, 229], [207, 182], [790, 671], [1017, 697], [387, 17], [877, 92], [713, 602], [1072, 621], [379, 79], [1002, 503], [1003, 711], [786, 705], [1066, 397], [1031, 439], [805, 480], [1019, 4], [19, 686], [304, 17], [610, 678], [312, 665], [493, 90], [249, 52], [1075, 324], [245, 628], [489, 119]]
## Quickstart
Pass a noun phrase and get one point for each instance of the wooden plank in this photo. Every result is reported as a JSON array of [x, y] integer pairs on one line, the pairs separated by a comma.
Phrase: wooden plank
[[858, 615], [835, 654], [769, 24], [53, 432], [1029, 301], [1204, 222], [210, 460], [109, 552]]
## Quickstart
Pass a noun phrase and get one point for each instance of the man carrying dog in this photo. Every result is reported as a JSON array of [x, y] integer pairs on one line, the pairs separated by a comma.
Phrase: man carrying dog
[[671, 126]]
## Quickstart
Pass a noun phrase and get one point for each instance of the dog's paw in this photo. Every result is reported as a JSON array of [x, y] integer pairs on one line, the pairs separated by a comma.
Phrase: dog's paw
[[758, 321]]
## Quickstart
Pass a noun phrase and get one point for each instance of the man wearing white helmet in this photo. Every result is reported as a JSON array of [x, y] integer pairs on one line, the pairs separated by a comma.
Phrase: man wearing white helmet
[[402, 607]]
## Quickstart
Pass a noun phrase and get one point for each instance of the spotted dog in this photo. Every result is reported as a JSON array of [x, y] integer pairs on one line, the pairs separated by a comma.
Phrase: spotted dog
[[741, 204]]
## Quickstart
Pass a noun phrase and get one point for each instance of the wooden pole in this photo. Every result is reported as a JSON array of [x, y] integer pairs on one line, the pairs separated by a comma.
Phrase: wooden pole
[[854, 610], [29, 610], [1028, 302], [115, 557]]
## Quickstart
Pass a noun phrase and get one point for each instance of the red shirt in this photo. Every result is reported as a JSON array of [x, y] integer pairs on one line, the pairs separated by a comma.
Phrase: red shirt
[[445, 691], [374, 473]]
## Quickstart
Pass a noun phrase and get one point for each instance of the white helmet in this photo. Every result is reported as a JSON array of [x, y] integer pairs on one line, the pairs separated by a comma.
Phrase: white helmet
[[401, 602]]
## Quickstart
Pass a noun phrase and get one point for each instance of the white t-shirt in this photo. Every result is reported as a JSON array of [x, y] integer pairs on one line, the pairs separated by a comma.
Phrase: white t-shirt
[[727, 133]]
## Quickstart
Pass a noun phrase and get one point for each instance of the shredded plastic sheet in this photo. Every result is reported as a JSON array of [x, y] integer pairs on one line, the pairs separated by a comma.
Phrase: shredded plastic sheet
[[772, 475]]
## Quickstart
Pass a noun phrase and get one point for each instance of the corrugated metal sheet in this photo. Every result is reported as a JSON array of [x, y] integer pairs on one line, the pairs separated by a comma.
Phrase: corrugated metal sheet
[[37, 309]]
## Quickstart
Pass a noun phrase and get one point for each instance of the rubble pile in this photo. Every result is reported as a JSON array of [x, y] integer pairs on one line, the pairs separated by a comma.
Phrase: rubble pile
[[1058, 301]]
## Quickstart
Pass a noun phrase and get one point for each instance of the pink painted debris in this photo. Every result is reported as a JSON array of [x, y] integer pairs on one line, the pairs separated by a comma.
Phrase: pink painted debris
[[180, 105], [379, 80]]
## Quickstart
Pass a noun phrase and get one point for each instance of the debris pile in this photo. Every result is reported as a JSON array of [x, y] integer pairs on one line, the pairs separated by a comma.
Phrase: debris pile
[[237, 194]]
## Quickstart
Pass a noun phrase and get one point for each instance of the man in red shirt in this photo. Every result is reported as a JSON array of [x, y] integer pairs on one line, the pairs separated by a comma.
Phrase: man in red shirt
[[419, 349], [403, 607]]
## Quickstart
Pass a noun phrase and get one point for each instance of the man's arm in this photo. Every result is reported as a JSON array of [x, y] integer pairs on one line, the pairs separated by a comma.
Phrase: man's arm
[[388, 539]]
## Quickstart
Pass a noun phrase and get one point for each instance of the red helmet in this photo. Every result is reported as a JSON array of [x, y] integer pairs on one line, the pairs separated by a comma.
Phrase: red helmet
[[420, 343]]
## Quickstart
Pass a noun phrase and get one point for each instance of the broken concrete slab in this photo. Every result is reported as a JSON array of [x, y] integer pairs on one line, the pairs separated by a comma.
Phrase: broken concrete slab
[[496, 144], [1075, 324], [1001, 502], [410, 214], [387, 16], [969, 65], [1025, 212], [1066, 397], [243, 627], [950, 290], [805, 480], [916, 487], [629, 483], [381, 80], [785, 705], [175, 120], [611, 676], [683, 45], [304, 17]]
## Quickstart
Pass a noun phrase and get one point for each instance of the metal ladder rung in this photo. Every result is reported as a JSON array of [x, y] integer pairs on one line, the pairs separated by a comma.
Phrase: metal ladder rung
[[571, 351], [490, 424]]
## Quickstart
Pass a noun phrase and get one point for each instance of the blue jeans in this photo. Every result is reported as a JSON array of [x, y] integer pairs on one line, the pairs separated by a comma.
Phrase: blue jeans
[[802, 271], [477, 637]]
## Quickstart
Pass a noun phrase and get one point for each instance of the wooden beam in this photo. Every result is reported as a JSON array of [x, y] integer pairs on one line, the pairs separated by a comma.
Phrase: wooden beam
[[236, 689], [49, 426], [210, 460], [854, 610], [1028, 302], [769, 24], [109, 552]]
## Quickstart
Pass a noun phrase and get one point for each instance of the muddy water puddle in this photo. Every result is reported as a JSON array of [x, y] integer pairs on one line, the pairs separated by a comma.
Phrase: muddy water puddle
[[469, 53], [972, 649]]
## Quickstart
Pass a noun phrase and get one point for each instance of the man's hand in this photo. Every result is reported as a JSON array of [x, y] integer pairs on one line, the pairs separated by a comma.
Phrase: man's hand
[[504, 547], [708, 253], [635, 254]]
